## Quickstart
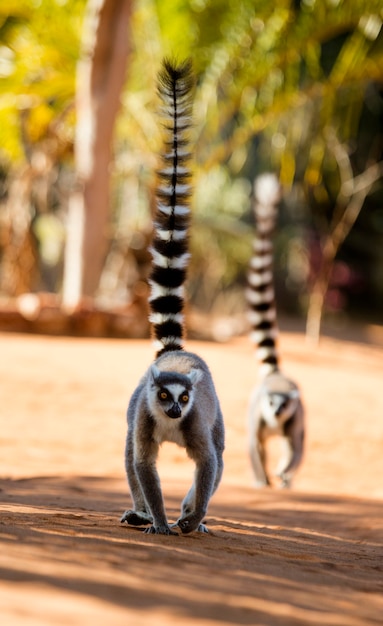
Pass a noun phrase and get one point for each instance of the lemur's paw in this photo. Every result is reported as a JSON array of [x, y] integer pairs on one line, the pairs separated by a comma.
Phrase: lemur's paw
[[261, 484], [202, 528], [135, 519], [285, 483], [189, 523], [285, 480], [160, 530]]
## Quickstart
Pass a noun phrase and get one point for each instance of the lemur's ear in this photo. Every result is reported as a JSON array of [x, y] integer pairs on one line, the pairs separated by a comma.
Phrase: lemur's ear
[[154, 373], [195, 375]]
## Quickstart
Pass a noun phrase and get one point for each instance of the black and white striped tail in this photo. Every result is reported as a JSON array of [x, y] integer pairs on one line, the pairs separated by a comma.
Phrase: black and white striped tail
[[260, 292], [170, 244]]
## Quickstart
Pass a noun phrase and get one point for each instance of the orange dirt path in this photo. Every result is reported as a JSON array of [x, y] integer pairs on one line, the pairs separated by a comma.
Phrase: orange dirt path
[[311, 555]]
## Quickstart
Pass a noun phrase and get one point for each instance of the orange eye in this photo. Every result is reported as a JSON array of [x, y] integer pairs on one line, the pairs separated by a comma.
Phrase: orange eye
[[185, 398], [163, 395]]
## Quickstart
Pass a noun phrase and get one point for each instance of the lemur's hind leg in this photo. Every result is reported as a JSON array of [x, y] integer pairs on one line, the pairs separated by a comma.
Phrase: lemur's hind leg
[[292, 452], [258, 460], [284, 462], [189, 502]]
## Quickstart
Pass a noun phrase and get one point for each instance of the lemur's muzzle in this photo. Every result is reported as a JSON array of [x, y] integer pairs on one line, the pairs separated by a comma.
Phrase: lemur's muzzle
[[174, 411], [280, 409]]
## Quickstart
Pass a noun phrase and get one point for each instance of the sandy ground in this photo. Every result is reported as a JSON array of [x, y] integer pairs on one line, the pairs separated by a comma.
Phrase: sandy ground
[[310, 555]]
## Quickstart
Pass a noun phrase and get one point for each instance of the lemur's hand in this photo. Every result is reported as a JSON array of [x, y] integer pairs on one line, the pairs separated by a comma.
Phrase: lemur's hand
[[191, 522]]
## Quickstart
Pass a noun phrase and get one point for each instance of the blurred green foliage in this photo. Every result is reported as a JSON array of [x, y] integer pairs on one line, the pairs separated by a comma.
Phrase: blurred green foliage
[[279, 87], [39, 47]]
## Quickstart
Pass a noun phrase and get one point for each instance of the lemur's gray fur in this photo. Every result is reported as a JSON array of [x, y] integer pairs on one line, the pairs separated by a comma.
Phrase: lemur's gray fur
[[275, 407], [175, 400]]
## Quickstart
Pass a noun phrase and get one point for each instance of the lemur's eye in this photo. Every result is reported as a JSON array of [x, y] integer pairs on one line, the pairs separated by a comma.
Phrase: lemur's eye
[[185, 398], [163, 395]]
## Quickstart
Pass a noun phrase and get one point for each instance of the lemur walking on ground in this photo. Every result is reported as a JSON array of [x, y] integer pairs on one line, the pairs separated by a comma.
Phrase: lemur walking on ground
[[176, 398], [275, 405]]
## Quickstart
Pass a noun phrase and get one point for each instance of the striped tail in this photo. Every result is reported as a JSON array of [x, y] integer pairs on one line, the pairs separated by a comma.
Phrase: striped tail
[[170, 243], [260, 292]]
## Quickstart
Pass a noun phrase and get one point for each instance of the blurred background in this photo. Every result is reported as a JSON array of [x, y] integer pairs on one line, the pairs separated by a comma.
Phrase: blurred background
[[290, 87]]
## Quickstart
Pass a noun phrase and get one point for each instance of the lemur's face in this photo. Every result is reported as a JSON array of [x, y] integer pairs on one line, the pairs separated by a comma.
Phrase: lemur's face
[[278, 407], [172, 393], [173, 399]]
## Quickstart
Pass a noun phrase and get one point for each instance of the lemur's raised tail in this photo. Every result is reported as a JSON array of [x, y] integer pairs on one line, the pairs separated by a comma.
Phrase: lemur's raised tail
[[276, 407], [260, 292], [170, 243], [176, 398]]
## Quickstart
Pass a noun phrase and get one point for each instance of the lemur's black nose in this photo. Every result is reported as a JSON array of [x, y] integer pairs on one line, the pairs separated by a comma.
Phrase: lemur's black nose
[[174, 411]]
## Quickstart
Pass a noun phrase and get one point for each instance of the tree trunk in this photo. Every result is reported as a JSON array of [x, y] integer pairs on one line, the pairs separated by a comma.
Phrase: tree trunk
[[318, 292], [360, 188], [19, 265], [100, 77]]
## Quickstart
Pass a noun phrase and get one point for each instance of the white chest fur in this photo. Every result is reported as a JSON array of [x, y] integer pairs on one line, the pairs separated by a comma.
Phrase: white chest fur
[[167, 429], [268, 414]]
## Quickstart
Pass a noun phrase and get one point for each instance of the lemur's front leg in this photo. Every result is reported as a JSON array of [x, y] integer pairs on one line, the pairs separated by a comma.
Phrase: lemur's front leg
[[194, 507]]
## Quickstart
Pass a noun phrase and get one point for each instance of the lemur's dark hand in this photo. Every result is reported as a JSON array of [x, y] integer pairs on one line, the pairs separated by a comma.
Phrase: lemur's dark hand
[[190, 522]]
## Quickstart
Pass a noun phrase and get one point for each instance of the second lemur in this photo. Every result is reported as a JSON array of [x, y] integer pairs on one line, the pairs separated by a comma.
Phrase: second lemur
[[176, 399], [275, 407]]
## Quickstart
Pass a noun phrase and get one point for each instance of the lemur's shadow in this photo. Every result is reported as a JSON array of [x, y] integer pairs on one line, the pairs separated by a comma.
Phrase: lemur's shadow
[[269, 553]]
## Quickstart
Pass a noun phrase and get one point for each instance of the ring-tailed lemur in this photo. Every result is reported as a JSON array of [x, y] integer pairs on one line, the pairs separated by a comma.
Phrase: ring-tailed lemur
[[176, 399], [275, 405]]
